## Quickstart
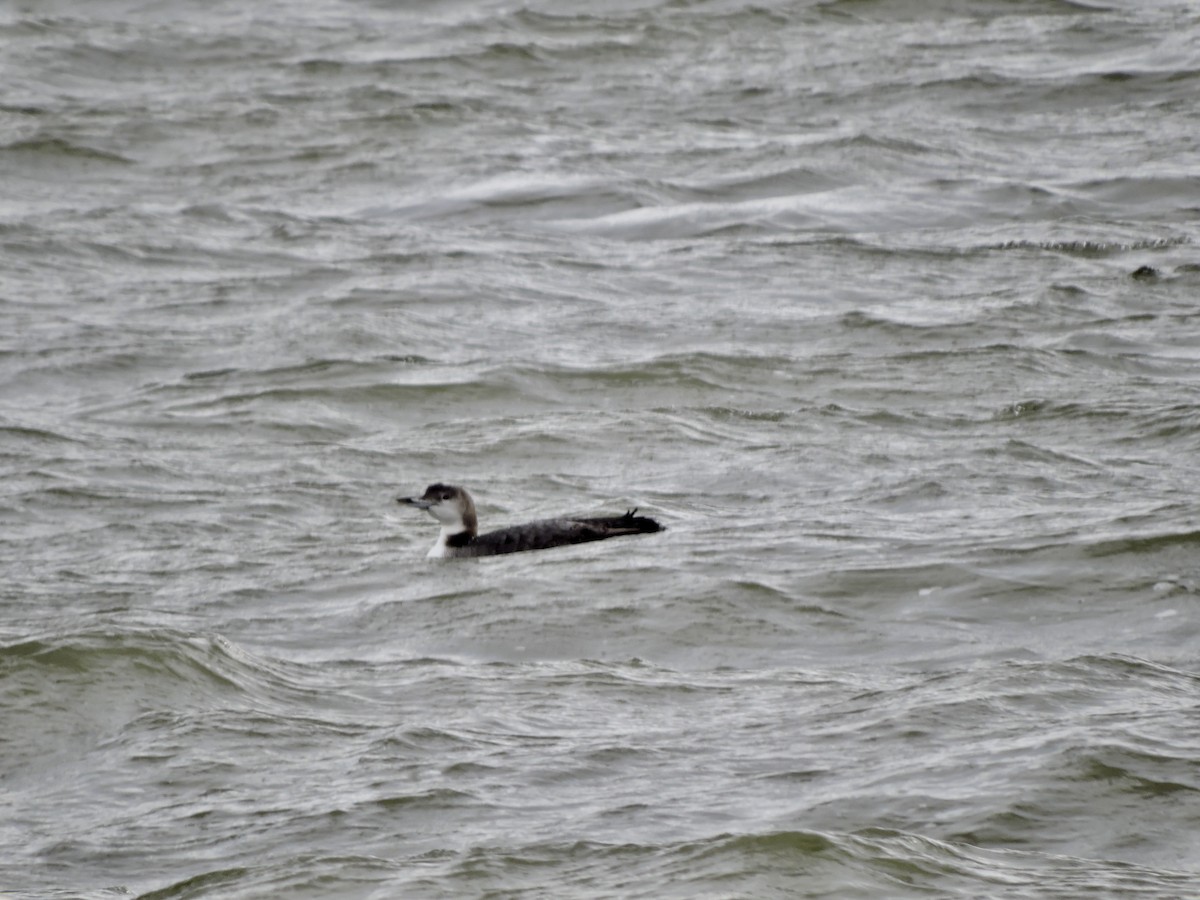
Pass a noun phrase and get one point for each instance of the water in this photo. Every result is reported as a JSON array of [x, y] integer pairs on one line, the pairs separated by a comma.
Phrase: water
[[886, 309]]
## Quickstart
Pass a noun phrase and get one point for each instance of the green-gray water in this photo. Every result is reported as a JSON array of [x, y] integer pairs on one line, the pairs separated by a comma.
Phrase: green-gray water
[[889, 311]]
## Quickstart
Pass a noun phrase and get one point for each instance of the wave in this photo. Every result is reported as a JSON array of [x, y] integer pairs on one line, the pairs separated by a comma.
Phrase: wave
[[58, 150], [867, 863], [108, 676]]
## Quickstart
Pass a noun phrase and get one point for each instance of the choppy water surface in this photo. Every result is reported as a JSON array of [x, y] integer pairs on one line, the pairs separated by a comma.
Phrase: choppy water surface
[[888, 310]]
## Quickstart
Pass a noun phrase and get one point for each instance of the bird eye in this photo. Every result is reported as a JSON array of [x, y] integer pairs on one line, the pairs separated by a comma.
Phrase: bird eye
[[445, 495]]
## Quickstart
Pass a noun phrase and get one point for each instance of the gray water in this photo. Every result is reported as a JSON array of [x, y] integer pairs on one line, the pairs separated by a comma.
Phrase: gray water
[[888, 310]]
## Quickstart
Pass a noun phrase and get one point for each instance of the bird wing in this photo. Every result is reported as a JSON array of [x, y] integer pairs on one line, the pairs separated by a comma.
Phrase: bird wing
[[559, 532]]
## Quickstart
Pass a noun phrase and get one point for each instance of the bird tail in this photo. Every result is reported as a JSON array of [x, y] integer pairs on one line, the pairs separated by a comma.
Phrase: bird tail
[[630, 523]]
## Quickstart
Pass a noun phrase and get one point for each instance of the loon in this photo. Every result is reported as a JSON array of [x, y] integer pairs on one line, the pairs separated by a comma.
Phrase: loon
[[453, 507]]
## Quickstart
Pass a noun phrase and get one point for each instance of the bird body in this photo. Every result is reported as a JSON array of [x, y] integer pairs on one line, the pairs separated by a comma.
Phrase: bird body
[[454, 508]]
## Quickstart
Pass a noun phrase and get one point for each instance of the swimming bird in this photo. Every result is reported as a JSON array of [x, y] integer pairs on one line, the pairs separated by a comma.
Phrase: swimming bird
[[453, 507]]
